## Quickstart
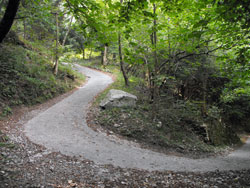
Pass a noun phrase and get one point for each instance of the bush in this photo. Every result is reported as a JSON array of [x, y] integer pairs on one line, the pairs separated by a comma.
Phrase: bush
[[236, 112]]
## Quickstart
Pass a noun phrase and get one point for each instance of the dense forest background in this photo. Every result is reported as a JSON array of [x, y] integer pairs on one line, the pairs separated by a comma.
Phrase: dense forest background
[[188, 61]]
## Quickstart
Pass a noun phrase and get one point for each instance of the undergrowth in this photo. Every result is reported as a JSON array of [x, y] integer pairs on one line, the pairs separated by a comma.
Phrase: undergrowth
[[171, 125], [27, 78], [170, 129]]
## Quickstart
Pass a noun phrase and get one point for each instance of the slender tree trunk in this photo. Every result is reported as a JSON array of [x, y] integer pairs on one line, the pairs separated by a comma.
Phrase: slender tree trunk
[[67, 33], [114, 58], [8, 18], [104, 55], [24, 28], [156, 67], [121, 61], [155, 44], [121, 58], [147, 72], [90, 54], [57, 42], [154, 73], [82, 48], [204, 88], [83, 52]]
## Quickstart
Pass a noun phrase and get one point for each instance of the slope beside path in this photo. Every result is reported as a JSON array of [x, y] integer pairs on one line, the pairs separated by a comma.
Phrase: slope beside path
[[63, 128]]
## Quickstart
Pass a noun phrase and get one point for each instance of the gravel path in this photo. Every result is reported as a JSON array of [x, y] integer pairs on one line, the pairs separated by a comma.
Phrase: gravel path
[[63, 128]]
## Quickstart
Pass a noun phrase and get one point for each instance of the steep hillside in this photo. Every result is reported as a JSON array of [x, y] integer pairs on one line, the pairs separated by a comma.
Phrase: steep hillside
[[27, 78]]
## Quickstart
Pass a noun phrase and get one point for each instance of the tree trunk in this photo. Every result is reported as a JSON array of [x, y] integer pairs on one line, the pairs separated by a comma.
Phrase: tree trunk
[[57, 41], [121, 61], [121, 58], [155, 44], [153, 70], [83, 53], [8, 18], [67, 33], [114, 57], [104, 55], [24, 28], [156, 66], [204, 93], [90, 54], [82, 49]]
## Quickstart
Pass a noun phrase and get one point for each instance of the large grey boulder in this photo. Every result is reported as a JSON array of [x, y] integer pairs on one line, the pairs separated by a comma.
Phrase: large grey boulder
[[118, 98]]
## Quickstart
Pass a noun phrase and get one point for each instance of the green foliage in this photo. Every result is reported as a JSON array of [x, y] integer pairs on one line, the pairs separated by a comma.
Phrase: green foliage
[[235, 99], [26, 78], [236, 111], [37, 21], [190, 57], [190, 37], [6, 111]]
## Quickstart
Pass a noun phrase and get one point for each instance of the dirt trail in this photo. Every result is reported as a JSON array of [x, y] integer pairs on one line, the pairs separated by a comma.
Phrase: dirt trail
[[63, 128]]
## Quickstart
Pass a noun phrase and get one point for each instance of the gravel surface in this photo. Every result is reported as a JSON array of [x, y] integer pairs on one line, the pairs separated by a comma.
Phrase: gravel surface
[[63, 128], [31, 165]]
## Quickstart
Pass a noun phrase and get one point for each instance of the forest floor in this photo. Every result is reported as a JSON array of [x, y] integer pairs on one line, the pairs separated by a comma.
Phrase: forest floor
[[25, 164]]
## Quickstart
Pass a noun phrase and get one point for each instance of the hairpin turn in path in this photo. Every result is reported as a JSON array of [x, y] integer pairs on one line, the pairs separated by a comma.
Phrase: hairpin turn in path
[[63, 128]]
